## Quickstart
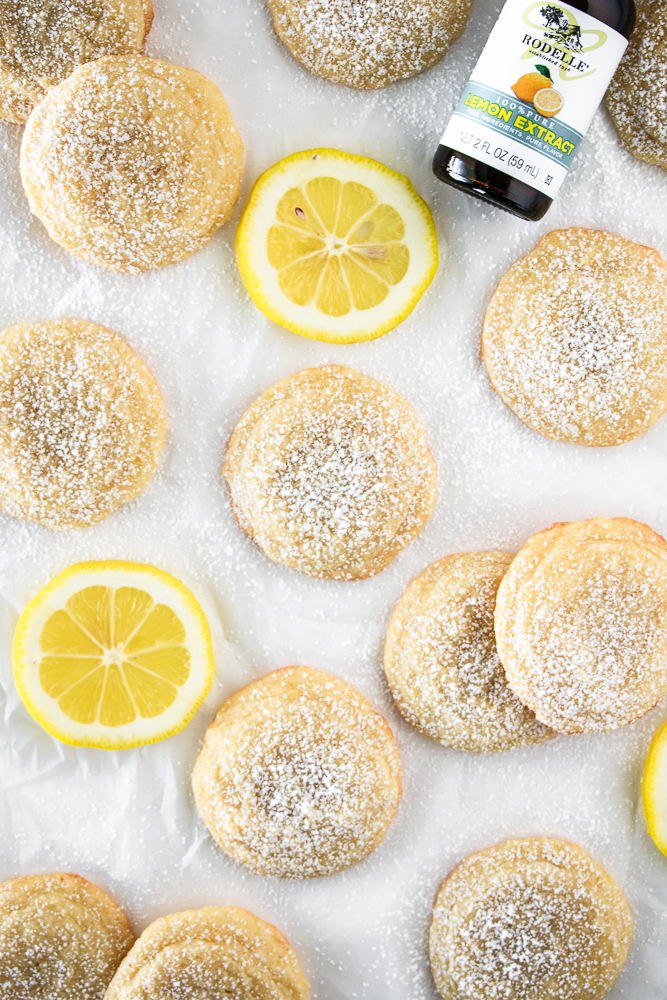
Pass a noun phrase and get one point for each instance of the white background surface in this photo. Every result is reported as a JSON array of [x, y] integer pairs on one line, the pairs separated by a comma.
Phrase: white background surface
[[126, 819]]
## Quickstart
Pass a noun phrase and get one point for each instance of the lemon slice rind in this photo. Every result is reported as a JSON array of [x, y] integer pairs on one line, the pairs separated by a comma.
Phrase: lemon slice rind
[[164, 589], [654, 789], [262, 279]]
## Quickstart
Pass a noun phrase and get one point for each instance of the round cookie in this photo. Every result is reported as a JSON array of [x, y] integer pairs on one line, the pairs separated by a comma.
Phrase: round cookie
[[330, 473], [533, 919], [61, 938], [575, 337], [132, 163], [368, 45], [82, 422], [298, 776], [581, 623], [42, 43], [441, 661], [219, 951], [636, 95]]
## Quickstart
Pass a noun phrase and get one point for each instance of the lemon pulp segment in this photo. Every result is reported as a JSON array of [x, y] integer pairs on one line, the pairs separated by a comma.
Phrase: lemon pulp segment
[[113, 655], [333, 244], [336, 247]]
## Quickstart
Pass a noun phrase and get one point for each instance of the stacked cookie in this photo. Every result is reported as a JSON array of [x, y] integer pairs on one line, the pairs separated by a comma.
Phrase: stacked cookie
[[61, 938], [486, 652], [442, 664], [219, 951]]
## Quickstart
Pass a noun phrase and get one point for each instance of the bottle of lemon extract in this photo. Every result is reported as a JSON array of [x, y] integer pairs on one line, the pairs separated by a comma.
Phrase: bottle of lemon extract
[[530, 100]]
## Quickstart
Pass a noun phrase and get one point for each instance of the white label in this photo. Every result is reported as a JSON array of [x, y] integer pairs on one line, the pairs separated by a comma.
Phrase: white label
[[534, 91]]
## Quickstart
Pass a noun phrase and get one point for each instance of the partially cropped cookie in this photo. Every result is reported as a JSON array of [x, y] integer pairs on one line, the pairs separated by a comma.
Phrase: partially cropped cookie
[[132, 163], [368, 45], [441, 660], [533, 919], [581, 623], [42, 42], [82, 422], [575, 337], [330, 473], [61, 938], [217, 952], [299, 776], [636, 95]]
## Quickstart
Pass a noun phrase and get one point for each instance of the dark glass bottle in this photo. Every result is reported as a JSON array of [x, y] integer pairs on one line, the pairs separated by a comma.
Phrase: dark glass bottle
[[493, 185]]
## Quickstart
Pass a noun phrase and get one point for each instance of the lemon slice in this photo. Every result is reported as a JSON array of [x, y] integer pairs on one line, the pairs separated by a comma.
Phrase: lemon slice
[[548, 101], [654, 788], [336, 247], [113, 655]]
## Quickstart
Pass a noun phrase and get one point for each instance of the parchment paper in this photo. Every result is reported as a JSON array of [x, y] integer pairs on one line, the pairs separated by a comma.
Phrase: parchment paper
[[126, 820]]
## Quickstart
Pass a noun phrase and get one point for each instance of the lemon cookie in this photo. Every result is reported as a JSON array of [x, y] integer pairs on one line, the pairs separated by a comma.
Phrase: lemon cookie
[[219, 951], [575, 337], [330, 473], [581, 623], [42, 43], [636, 95], [441, 661], [132, 163], [61, 938], [82, 422], [298, 776], [533, 919], [368, 45]]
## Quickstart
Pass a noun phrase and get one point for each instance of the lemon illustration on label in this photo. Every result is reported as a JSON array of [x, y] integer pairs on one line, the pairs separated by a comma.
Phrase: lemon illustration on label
[[548, 102], [542, 60], [528, 85]]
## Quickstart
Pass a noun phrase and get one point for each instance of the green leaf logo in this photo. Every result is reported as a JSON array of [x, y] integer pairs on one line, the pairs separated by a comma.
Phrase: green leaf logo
[[544, 70]]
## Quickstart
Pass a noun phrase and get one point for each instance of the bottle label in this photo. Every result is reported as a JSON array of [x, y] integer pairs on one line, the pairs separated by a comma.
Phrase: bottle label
[[534, 91]]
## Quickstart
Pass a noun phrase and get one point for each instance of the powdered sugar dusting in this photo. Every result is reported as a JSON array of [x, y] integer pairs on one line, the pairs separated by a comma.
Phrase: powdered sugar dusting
[[442, 664], [81, 423], [127, 819], [331, 474], [637, 96], [298, 776], [368, 43], [581, 621], [42, 42], [214, 952], [132, 163], [61, 938], [529, 918], [575, 337]]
